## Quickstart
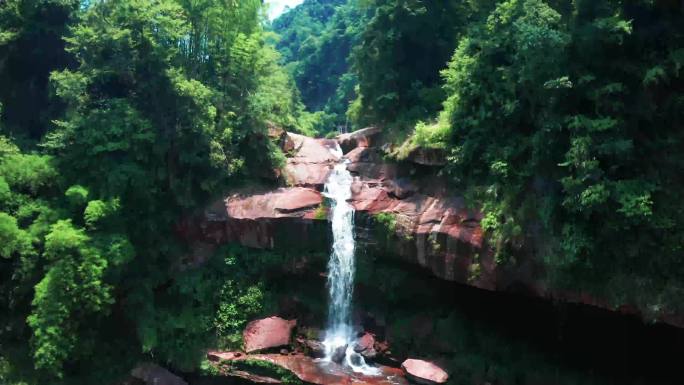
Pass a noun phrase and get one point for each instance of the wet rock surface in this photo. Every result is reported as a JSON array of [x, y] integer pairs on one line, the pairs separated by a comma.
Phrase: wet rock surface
[[315, 349], [313, 371], [365, 346], [339, 354]]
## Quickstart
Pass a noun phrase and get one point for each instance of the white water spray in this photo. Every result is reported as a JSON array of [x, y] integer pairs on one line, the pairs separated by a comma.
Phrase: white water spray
[[341, 268]]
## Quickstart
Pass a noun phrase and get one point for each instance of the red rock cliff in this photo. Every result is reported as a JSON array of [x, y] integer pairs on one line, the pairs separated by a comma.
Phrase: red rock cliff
[[425, 223]]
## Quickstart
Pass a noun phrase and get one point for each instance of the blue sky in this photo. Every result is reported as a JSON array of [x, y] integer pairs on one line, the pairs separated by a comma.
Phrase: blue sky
[[277, 7]]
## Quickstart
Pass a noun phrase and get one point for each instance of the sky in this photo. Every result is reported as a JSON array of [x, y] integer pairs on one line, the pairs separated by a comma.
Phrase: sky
[[277, 7]]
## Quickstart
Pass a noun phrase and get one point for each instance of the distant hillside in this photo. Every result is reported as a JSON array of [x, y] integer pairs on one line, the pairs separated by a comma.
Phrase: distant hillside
[[316, 39]]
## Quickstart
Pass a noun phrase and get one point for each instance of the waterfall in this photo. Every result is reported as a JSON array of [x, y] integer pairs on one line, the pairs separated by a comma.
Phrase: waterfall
[[341, 268], [341, 265]]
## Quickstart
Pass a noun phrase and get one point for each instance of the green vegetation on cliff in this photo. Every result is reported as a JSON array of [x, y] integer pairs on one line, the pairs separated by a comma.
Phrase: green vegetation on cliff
[[561, 120]]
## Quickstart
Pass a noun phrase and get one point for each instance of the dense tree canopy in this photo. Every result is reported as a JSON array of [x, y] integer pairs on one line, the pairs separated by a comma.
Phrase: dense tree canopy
[[31, 46], [402, 49], [161, 106], [561, 120]]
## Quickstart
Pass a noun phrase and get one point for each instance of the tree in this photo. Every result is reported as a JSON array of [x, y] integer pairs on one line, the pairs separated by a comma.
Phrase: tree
[[401, 51], [31, 46], [315, 40], [558, 117], [166, 106]]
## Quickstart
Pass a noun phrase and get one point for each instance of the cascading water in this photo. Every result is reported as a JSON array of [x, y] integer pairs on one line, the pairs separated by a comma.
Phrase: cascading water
[[341, 268], [341, 265]]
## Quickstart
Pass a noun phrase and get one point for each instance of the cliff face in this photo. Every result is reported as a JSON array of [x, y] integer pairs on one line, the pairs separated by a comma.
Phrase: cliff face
[[406, 213]]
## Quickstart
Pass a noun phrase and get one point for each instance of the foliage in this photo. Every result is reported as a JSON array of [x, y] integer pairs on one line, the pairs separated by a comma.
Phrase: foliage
[[388, 221], [153, 108], [118, 119], [266, 368], [300, 27], [399, 56], [203, 307], [560, 115], [316, 39], [321, 213], [66, 265], [435, 135], [13, 239], [31, 47]]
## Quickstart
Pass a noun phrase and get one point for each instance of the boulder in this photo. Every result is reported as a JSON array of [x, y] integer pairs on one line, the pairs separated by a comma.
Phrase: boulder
[[153, 374], [267, 333], [359, 138], [281, 137], [368, 162], [365, 346], [365, 342], [307, 174], [316, 349], [311, 150], [424, 372], [339, 353]]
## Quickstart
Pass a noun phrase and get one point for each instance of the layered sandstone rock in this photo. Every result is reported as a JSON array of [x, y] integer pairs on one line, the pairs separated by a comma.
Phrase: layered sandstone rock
[[264, 219], [310, 161], [280, 203], [432, 227]]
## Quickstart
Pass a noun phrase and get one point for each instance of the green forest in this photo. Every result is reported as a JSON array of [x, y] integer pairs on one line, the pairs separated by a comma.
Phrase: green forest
[[556, 116], [562, 121]]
